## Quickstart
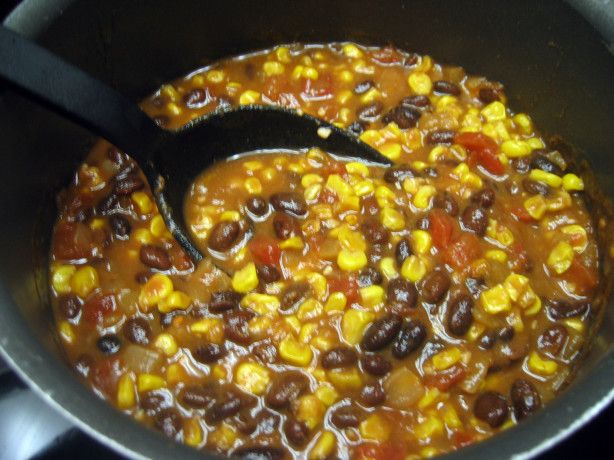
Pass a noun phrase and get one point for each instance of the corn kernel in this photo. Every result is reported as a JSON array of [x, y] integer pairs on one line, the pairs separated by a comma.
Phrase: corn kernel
[[345, 378], [430, 396], [263, 304], [429, 452], [422, 198], [310, 410], [307, 332], [318, 283], [149, 382], [495, 300], [126, 395], [253, 185], [327, 394], [176, 300], [157, 227], [446, 358], [364, 187], [349, 260], [420, 83], [535, 143], [192, 432], [392, 219], [166, 344], [544, 367], [211, 328], [561, 257], [143, 236], [578, 238], [429, 428], [252, 377], [336, 302], [388, 269], [157, 288], [309, 309], [515, 148], [223, 437], [421, 241], [245, 279], [175, 373], [273, 68], [494, 111], [552, 180], [561, 201], [499, 232], [496, 255], [351, 51], [310, 73], [294, 242], [535, 308], [375, 428], [576, 324], [536, 206], [143, 202], [370, 96], [357, 168], [283, 54], [84, 281], [353, 325], [60, 280], [67, 332], [294, 323], [524, 123], [572, 182], [391, 150], [336, 183], [349, 239], [311, 179], [173, 109], [294, 352], [215, 76], [249, 97], [372, 296], [413, 268]]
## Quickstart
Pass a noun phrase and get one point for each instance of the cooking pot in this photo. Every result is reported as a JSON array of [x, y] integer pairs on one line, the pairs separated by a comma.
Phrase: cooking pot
[[555, 59]]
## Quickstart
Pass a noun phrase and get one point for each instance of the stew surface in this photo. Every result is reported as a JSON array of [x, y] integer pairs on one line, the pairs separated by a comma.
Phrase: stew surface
[[358, 311]]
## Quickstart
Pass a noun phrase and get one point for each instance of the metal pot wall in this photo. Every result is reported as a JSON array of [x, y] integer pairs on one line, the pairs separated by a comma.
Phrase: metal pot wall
[[554, 63]]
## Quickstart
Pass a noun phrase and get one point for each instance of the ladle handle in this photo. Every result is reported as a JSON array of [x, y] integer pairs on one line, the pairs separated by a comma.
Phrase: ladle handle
[[75, 94]]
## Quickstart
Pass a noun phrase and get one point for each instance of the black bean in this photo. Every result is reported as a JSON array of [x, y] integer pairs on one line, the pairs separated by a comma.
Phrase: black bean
[[525, 398], [404, 116], [285, 226], [208, 353], [161, 120], [356, 128], [120, 226], [545, 164], [296, 432], [222, 410], [372, 395], [109, 344], [166, 319], [265, 421], [435, 286], [224, 235], [411, 337], [224, 300], [286, 388], [154, 401], [551, 341], [236, 327], [418, 101], [460, 315], [293, 295], [402, 292], [168, 421], [430, 171], [369, 113], [484, 198], [441, 136], [107, 204], [475, 219], [488, 95], [338, 357], [289, 202], [369, 276], [363, 87], [535, 188], [257, 206], [423, 223], [402, 251], [260, 453], [196, 98], [562, 309], [375, 365], [446, 87], [491, 407], [475, 285], [487, 341], [83, 365], [268, 273], [521, 165], [345, 417], [400, 173], [137, 330], [265, 352], [155, 257], [444, 200], [69, 306], [374, 232], [381, 332], [128, 184], [506, 333], [198, 396], [116, 156]]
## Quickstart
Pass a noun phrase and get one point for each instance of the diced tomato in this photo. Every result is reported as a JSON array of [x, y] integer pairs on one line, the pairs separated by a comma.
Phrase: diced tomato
[[275, 85], [441, 226], [522, 214], [265, 250], [445, 380], [519, 258], [484, 151], [346, 284], [318, 90], [387, 55], [462, 438], [466, 249], [584, 278], [72, 241], [99, 308], [379, 451], [105, 375]]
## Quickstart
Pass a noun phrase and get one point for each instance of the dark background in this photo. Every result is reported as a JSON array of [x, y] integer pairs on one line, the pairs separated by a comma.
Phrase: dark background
[[591, 441]]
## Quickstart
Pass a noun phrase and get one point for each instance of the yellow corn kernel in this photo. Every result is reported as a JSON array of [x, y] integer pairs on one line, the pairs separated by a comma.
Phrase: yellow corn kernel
[[496, 300], [364, 187], [294, 242], [429, 452], [60, 280], [344, 97], [420, 83], [294, 323], [84, 281], [499, 232], [230, 216], [421, 241], [310, 73], [552, 180], [149, 382], [283, 54], [577, 236], [143, 202], [312, 192], [496, 255], [273, 68], [97, 223], [143, 236], [166, 344], [310, 410], [219, 372], [192, 432], [450, 418], [351, 50], [307, 332], [224, 437], [524, 123], [494, 111], [372, 296], [245, 279], [253, 165], [370, 96], [176, 300], [215, 76], [430, 396], [295, 352], [429, 428], [170, 92], [173, 109], [392, 219], [212, 329], [249, 97], [391, 150], [357, 168], [319, 284], [126, 395], [541, 366], [297, 72], [576, 324], [560, 257], [157, 288], [253, 185], [349, 238], [535, 143], [309, 309], [375, 428], [535, 308], [515, 320], [157, 227], [263, 304], [561, 201], [341, 188], [446, 358], [413, 268], [349, 260], [516, 285], [572, 182], [67, 332], [536, 206], [388, 269], [422, 198], [311, 179], [175, 373], [327, 394], [353, 325], [252, 377], [516, 148], [345, 379]]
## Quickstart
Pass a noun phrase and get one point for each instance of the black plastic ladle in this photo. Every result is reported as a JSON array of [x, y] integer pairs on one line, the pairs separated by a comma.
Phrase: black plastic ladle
[[169, 159]]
